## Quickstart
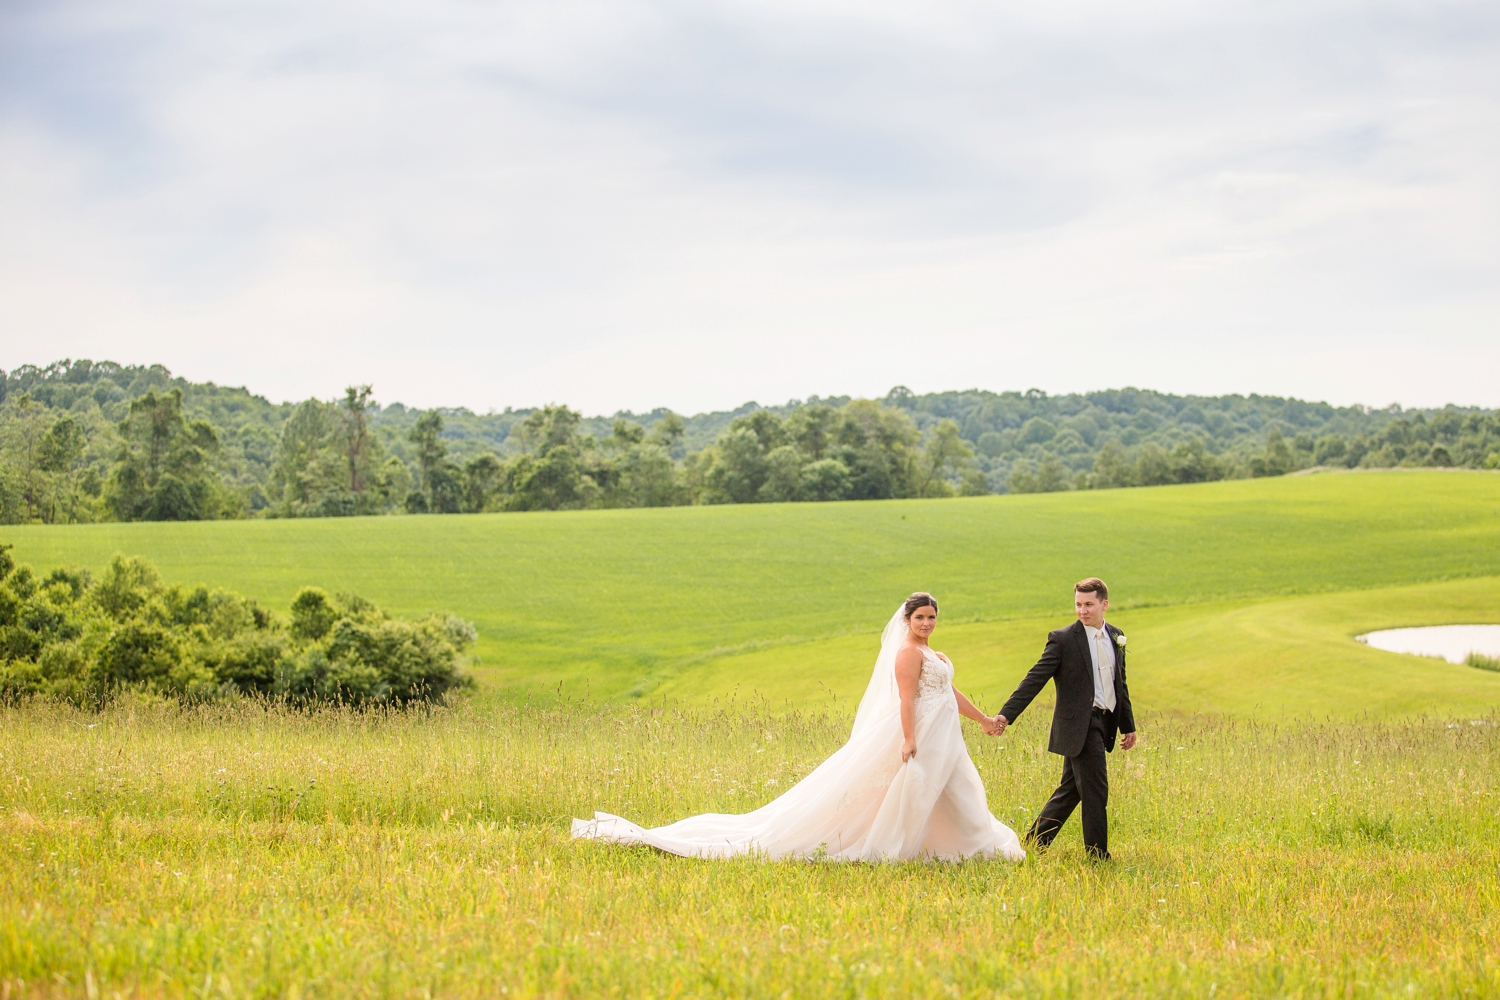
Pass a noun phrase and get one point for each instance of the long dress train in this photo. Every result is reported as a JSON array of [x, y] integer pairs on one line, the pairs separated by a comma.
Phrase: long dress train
[[862, 803]]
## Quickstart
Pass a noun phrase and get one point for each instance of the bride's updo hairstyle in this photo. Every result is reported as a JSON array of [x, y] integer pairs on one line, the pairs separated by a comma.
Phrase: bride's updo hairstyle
[[921, 599]]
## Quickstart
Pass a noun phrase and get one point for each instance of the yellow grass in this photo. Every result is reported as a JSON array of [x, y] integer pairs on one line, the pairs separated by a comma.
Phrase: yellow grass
[[241, 852]]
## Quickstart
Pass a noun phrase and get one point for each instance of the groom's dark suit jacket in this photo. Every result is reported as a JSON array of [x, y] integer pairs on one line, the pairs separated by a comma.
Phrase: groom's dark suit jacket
[[1068, 664]]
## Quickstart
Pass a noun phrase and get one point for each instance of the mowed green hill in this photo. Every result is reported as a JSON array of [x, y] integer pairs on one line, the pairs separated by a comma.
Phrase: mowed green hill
[[1240, 596]]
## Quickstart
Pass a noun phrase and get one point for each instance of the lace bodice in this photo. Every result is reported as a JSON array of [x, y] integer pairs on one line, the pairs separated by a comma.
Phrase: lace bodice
[[936, 676]]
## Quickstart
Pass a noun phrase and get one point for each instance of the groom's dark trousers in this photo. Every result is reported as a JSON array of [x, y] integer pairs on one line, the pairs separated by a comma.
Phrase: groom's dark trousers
[[1081, 733], [1085, 778]]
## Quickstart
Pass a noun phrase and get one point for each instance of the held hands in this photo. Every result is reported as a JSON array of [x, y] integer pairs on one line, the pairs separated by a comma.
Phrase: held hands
[[908, 750], [995, 726]]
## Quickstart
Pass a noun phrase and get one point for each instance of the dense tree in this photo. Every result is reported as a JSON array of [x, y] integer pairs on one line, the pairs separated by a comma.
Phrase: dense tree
[[68, 489], [329, 463], [28, 432], [547, 428], [431, 453], [812, 430], [1191, 463], [876, 443], [1047, 476], [646, 476], [483, 478], [550, 480], [560, 470], [738, 469], [165, 465], [305, 464], [1276, 459], [359, 447], [440, 486], [860, 451], [1110, 468], [768, 428], [783, 475], [82, 441], [1330, 450], [43, 475], [32, 487], [668, 432], [944, 458]]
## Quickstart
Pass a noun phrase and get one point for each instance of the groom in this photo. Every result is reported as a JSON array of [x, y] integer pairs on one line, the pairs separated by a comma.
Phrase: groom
[[1086, 664]]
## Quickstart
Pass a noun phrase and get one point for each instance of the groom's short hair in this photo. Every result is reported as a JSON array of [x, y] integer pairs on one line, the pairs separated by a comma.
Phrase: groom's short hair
[[1092, 585]]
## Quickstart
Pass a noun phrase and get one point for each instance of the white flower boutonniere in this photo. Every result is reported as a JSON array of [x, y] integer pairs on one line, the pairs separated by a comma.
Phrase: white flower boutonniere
[[1120, 640]]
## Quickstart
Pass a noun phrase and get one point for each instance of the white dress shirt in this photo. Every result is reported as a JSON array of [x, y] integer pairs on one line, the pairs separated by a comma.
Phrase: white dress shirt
[[1102, 649]]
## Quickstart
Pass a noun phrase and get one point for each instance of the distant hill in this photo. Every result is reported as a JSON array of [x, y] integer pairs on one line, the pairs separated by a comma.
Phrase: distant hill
[[1010, 441]]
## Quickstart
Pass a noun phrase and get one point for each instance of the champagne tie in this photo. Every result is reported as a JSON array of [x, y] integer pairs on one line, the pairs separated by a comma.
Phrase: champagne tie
[[1103, 651]]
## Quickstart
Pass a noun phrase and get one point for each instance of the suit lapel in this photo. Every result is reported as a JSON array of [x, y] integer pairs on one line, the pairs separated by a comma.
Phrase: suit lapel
[[1082, 637]]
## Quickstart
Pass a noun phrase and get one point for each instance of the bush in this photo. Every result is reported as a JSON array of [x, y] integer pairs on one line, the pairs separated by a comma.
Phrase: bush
[[1483, 662], [312, 614], [71, 638]]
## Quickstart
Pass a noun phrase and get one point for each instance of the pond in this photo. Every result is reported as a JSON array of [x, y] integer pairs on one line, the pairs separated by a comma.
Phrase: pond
[[1451, 642]]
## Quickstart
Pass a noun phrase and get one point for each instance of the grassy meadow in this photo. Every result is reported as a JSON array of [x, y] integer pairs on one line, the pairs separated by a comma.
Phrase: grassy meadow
[[238, 852], [1304, 817], [1270, 657], [639, 603]]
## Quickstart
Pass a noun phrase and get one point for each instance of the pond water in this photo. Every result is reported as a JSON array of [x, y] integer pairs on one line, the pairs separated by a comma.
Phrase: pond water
[[1452, 642]]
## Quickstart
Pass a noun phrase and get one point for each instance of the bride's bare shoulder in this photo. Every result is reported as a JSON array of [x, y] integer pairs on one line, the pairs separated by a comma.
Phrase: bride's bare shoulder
[[909, 655]]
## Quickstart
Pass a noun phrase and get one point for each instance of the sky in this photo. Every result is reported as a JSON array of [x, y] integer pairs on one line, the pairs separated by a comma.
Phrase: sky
[[632, 204]]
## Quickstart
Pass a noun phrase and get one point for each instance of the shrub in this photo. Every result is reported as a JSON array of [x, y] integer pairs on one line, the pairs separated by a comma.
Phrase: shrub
[[249, 661], [71, 638], [138, 653], [312, 614], [1483, 662], [126, 587]]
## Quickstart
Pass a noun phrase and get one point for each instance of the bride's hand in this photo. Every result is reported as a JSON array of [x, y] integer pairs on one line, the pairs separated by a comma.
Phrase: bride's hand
[[908, 750]]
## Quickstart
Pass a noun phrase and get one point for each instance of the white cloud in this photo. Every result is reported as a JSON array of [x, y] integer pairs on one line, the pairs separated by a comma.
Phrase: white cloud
[[640, 204]]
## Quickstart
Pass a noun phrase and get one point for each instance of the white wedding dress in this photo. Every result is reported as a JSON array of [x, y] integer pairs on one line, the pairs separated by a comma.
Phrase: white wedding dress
[[861, 804]]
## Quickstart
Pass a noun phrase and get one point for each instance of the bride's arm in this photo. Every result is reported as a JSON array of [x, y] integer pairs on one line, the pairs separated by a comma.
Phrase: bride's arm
[[967, 710], [908, 669]]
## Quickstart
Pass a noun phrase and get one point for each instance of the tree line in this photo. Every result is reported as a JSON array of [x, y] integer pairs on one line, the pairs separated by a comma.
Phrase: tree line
[[85, 441]]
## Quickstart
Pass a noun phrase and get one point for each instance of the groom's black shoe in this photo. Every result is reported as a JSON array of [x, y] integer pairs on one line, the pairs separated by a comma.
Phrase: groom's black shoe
[[1095, 854], [1043, 830]]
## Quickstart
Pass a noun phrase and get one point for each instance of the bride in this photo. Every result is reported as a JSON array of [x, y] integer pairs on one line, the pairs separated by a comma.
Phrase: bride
[[902, 787]]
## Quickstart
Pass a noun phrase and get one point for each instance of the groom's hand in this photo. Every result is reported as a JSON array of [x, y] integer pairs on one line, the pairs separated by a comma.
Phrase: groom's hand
[[1127, 740]]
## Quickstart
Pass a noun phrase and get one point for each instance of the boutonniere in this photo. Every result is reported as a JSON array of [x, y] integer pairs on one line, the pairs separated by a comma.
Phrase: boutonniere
[[1120, 640]]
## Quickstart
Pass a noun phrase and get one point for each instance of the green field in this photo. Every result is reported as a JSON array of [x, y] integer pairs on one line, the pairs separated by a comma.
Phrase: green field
[[1304, 817], [1243, 597], [232, 852]]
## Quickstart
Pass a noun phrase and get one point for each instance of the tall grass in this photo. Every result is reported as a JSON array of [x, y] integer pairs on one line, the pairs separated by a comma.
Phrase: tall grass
[[242, 851]]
